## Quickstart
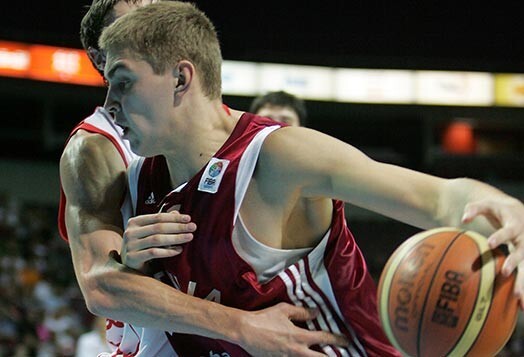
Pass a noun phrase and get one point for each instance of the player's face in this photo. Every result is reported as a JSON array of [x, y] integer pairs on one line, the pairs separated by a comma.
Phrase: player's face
[[280, 114], [141, 101]]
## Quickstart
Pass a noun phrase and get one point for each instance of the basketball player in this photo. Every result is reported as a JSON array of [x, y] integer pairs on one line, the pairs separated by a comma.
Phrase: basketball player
[[93, 203], [267, 199], [93, 207], [280, 106]]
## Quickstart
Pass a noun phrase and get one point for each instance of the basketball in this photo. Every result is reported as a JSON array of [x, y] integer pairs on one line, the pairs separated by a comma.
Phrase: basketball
[[441, 293]]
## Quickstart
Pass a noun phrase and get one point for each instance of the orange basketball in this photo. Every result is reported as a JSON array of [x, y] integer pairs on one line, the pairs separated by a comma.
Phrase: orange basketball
[[441, 293]]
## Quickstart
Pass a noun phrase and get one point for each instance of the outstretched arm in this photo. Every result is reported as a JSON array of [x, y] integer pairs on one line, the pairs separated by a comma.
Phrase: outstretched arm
[[316, 165]]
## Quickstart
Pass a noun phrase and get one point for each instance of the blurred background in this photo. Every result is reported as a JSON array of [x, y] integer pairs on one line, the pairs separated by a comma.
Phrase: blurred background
[[433, 86]]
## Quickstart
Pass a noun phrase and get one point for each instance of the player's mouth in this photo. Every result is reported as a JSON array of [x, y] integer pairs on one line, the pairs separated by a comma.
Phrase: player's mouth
[[125, 130]]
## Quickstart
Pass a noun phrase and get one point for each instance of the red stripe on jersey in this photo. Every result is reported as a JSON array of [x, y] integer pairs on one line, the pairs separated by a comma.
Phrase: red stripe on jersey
[[62, 230]]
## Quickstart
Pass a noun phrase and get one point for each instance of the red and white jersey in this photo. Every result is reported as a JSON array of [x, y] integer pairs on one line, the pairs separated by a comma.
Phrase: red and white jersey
[[133, 341], [100, 122], [123, 337], [331, 277]]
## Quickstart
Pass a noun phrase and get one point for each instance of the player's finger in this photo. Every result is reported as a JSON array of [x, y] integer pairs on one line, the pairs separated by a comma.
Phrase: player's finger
[[297, 313], [511, 262], [307, 353], [518, 289], [148, 219], [326, 338], [160, 228], [161, 240], [143, 256], [500, 236], [482, 208], [179, 217]]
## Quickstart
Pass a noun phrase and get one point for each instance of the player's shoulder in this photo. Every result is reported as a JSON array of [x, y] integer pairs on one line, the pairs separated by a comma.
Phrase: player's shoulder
[[292, 151], [90, 145], [89, 166], [282, 142], [86, 153]]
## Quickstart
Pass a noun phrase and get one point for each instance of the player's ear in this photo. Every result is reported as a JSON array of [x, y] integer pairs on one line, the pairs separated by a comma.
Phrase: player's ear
[[97, 57], [182, 76]]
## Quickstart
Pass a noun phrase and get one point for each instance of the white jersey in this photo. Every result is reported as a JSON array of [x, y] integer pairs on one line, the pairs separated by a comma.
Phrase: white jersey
[[101, 122], [124, 338]]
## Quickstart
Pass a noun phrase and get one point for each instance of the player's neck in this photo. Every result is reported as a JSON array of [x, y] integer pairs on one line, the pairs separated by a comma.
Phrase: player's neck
[[205, 136]]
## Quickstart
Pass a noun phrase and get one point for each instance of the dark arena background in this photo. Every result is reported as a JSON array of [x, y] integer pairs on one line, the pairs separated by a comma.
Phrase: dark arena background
[[433, 86]]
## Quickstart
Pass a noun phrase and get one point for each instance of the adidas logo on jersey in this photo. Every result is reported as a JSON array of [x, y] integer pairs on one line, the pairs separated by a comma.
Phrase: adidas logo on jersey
[[151, 199]]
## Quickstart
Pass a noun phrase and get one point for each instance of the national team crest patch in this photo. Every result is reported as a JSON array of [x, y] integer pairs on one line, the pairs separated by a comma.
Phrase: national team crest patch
[[213, 173]]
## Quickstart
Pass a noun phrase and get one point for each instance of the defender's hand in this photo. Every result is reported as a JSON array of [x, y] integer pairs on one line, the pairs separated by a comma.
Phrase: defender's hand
[[271, 332], [153, 236]]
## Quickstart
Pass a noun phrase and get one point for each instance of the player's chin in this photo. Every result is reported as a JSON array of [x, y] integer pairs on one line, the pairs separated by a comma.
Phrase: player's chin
[[136, 146], [144, 146]]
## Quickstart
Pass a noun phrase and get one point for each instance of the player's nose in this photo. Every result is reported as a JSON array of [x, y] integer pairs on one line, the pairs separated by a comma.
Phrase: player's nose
[[113, 107]]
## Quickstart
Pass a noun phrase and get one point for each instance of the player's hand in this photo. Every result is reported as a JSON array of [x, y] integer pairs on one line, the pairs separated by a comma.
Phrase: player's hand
[[271, 332], [507, 217], [152, 236]]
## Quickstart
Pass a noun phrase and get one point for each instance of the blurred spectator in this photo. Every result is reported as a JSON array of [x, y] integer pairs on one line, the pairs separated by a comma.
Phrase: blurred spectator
[[41, 312], [282, 107], [93, 342]]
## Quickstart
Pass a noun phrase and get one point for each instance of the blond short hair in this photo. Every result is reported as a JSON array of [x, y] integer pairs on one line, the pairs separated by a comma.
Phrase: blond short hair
[[165, 33]]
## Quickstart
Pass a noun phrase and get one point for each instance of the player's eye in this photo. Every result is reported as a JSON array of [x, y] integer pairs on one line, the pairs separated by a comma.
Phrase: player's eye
[[124, 85]]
